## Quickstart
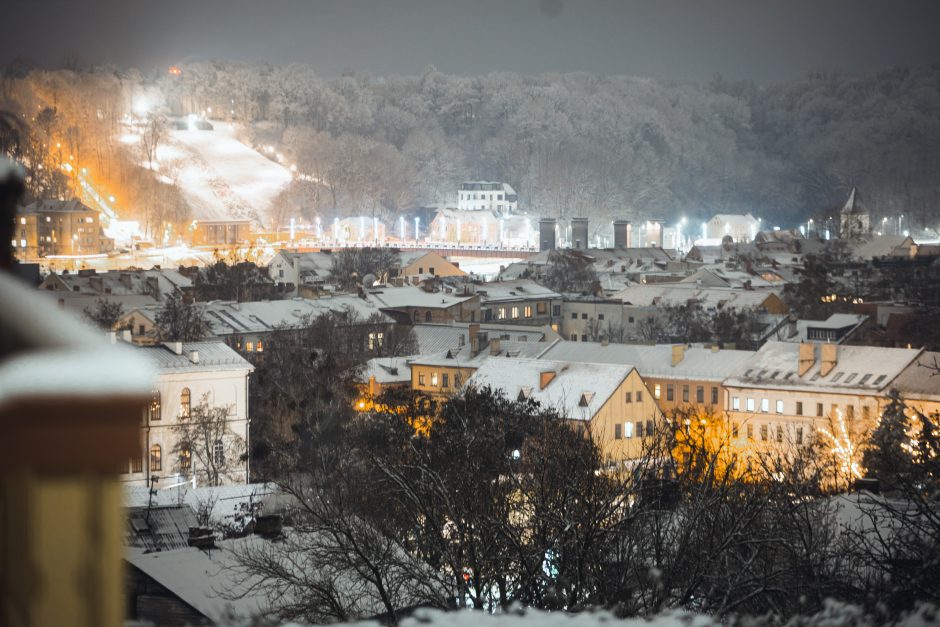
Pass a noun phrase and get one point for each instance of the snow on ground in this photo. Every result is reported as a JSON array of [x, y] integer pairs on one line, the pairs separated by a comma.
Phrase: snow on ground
[[220, 177], [486, 267]]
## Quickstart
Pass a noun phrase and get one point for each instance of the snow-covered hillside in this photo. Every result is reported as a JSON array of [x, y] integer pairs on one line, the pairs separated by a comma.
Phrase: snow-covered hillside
[[220, 177]]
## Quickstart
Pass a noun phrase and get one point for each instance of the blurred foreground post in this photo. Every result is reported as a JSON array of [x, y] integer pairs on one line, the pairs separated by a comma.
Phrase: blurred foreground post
[[70, 410]]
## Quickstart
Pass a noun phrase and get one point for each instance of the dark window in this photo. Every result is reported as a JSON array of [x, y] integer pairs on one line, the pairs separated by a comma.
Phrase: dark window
[[618, 431], [763, 433], [556, 310], [649, 428], [630, 319], [779, 433], [750, 432], [629, 397], [670, 393], [799, 408], [714, 395], [574, 316], [584, 316], [156, 458], [600, 316], [700, 394], [639, 397], [427, 316], [799, 435], [583, 337], [639, 429], [734, 430], [218, 453], [574, 337], [685, 394], [445, 380], [819, 409]]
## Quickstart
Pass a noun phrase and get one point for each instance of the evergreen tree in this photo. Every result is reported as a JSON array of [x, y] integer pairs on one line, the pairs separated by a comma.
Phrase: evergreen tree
[[887, 456]]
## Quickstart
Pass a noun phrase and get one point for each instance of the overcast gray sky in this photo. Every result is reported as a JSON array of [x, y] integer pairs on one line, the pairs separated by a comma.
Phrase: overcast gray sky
[[760, 39]]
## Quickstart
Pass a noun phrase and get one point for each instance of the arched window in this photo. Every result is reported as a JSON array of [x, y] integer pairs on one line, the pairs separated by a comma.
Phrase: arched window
[[186, 459], [416, 316], [427, 316], [154, 409], [185, 403], [156, 458]]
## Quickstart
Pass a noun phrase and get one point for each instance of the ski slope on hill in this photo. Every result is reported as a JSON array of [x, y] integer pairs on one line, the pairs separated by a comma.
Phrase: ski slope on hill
[[220, 177]]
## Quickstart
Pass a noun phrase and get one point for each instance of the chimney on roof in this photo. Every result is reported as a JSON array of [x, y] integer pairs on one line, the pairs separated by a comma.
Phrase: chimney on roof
[[807, 357], [201, 538], [494, 346], [829, 357], [545, 377], [474, 331], [177, 347], [678, 353], [194, 356]]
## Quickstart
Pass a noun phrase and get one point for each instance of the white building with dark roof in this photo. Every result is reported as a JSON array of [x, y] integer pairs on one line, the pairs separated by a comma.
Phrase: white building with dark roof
[[190, 374], [487, 195]]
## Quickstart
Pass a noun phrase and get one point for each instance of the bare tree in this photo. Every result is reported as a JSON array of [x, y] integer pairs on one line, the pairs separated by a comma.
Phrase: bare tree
[[154, 132], [206, 445]]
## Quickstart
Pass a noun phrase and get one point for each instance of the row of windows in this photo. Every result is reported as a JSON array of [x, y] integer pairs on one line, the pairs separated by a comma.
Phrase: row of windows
[[630, 430], [751, 404], [442, 381], [153, 410], [185, 461], [480, 196], [584, 316], [699, 393], [768, 432]]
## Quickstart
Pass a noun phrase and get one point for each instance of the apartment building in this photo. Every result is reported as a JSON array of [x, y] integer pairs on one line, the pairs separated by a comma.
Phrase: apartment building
[[188, 375], [786, 392], [56, 227]]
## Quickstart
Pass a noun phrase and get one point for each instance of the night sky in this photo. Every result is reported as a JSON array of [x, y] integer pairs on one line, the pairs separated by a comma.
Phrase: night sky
[[759, 39]]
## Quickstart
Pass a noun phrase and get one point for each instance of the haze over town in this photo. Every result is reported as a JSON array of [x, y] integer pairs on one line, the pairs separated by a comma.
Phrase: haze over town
[[470, 312]]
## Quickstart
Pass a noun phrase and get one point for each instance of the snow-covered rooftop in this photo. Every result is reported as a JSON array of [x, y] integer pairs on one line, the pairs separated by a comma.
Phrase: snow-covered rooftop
[[858, 369], [577, 391], [697, 364]]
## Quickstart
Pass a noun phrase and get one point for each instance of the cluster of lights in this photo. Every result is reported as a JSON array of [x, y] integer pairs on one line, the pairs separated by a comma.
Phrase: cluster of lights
[[845, 451]]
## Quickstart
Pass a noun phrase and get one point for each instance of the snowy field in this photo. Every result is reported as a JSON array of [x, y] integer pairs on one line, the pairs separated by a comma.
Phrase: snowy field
[[220, 177]]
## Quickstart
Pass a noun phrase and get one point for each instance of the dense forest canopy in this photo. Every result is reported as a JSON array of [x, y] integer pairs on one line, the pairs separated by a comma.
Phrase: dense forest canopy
[[571, 144]]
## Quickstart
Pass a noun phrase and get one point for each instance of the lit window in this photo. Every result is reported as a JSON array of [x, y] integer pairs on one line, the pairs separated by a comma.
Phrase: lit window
[[750, 404], [527, 311], [433, 378], [260, 347], [779, 407], [185, 403], [156, 458], [515, 312], [154, 409], [735, 402], [657, 390], [501, 313], [765, 405], [250, 347], [628, 429]]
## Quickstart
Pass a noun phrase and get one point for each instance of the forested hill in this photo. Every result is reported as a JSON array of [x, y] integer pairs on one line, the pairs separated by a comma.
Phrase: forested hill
[[572, 143]]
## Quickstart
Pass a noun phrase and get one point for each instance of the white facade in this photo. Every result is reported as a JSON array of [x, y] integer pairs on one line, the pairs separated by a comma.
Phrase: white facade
[[189, 374], [741, 228], [487, 196]]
